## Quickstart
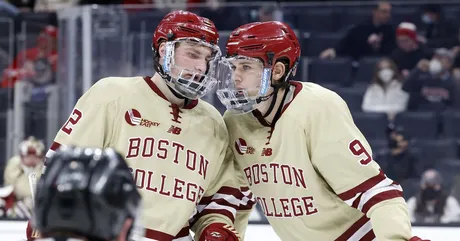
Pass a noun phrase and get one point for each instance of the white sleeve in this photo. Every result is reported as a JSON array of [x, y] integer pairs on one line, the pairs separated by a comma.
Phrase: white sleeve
[[451, 211], [370, 102], [411, 205], [399, 102]]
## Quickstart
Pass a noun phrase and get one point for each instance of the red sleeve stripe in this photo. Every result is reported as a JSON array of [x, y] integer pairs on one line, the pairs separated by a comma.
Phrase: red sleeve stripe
[[247, 202], [154, 235], [369, 236], [356, 201], [390, 194], [366, 185], [232, 195], [184, 232], [55, 146], [395, 191], [231, 191], [205, 200], [357, 231], [223, 212], [226, 191], [365, 199], [224, 202], [249, 206], [52, 150]]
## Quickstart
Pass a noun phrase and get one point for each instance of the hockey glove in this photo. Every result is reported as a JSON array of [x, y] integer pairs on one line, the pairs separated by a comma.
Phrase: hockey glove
[[219, 232], [415, 238]]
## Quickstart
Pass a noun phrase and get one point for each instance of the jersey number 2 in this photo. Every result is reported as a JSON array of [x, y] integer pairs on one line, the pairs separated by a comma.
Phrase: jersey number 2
[[358, 150], [73, 120]]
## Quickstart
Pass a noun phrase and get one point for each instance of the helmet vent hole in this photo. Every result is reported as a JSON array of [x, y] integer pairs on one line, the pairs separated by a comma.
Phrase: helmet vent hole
[[252, 47], [188, 30]]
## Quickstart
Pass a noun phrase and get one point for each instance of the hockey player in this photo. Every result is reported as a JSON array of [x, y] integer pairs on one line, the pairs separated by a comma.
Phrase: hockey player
[[29, 160], [174, 143], [87, 195], [307, 163]]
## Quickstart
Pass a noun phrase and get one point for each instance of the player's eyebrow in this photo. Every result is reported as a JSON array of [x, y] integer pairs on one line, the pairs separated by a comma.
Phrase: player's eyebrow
[[197, 52], [246, 63]]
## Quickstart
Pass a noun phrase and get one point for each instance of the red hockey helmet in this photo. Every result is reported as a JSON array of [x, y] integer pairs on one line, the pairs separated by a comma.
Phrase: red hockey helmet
[[252, 51], [268, 41], [178, 27]]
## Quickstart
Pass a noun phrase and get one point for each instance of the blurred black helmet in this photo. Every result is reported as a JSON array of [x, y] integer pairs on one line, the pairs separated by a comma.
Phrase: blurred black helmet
[[89, 192]]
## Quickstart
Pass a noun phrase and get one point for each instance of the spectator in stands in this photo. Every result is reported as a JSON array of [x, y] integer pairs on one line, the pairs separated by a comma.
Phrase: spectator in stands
[[18, 168], [437, 30], [37, 65], [431, 86], [409, 51], [433, 204], [399, 161], [376, 37], [384, 94]]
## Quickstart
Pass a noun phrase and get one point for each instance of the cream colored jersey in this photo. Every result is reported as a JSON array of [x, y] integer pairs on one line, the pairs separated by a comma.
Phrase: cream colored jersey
[[17, 175], [313, 173], [176, 154]]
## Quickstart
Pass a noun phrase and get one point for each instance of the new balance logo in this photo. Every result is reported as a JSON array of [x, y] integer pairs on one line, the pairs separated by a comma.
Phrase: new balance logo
[[174, 130], [266, 152]]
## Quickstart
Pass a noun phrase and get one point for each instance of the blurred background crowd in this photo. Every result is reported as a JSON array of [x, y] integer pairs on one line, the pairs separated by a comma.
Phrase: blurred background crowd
[[397, 64]]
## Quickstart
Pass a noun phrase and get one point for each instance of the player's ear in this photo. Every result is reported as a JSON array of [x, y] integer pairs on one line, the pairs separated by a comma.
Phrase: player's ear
[[162, 49], [124, 232], [278, 71]]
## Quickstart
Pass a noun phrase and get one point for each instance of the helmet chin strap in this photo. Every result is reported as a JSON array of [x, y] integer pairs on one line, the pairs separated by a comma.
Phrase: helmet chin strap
[[276, 88], [177, 95]]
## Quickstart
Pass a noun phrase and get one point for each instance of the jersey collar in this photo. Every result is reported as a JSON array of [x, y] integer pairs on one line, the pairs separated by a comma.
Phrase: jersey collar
[[190, 104], [297, 87]]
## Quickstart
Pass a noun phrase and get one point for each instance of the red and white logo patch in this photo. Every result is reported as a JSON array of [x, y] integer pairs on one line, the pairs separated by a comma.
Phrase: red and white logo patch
[[133, 117], [242, 147]]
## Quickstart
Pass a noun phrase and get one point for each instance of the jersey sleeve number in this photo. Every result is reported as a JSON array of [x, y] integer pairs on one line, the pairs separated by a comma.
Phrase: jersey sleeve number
[[73, 120], [358, 150]]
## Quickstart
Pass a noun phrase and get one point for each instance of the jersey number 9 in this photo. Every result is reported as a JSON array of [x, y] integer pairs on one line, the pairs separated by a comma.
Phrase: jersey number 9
[[358, 150]]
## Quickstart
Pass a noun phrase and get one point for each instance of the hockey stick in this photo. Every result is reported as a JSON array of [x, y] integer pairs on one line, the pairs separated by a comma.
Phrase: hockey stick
[[33, 189], [33, 186]]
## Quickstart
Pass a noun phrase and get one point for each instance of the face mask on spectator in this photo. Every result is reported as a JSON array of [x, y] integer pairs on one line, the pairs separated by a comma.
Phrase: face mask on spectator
[[392, 143], [426, 19], [435, 66], [386, 75], [430, 193]]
